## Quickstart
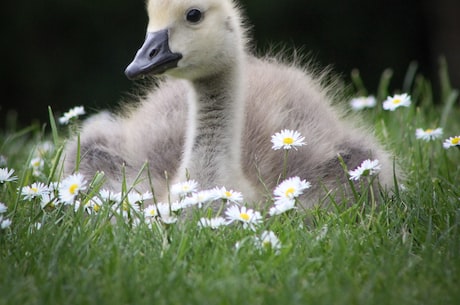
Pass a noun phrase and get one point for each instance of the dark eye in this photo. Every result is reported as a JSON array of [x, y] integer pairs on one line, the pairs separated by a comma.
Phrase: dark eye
[[194, 15]]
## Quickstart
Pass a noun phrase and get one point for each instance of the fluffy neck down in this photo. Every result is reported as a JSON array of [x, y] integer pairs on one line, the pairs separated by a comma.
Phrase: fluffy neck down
[[213, 145]]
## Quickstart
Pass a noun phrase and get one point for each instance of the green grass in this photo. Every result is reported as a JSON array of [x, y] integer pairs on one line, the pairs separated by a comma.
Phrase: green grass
[[407, 251]]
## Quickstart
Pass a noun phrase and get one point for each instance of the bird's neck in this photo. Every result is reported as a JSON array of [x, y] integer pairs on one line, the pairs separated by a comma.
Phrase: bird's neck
[[213, 146]]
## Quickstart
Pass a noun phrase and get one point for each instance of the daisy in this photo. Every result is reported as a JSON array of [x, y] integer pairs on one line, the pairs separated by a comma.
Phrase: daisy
[[151, 211], [135, 198], [359, 103], [71, 114], [37, 166], [176, 206], [212, 223], [290, 189], [35, 190], [107, 195], [367, 168], [199, 198], [452, 141], [6, 175], [228, 195], [161, 211], [164, 211], [398, 100], [94, 205], [248, 217], [184, 188], [282, 206], [428, 134], [287, 139], [48, 200], [3, 208], [4, 223], [268, 240], [126, 204], [44, 148], [53, 186], [70, 187]]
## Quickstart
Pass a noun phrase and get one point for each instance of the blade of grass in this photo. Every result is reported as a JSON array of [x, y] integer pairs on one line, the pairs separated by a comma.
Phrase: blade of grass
[[54, 130], [410, 76]]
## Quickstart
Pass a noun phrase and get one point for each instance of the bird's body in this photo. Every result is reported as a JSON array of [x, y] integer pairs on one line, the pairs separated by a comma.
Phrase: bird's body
[[214, 113]]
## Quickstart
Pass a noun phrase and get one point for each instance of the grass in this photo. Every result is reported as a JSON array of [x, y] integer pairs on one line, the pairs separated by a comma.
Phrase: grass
[[407, 251]]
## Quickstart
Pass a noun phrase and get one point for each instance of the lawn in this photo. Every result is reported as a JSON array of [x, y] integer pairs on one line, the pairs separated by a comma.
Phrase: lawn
[[406, 250]]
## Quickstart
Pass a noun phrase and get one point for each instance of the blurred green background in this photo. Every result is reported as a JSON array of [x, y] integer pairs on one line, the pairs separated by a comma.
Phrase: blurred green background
[[64, 53]]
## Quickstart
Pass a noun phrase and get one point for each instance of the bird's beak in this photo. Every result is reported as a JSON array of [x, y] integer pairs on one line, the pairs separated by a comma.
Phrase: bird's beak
[[153, 57]]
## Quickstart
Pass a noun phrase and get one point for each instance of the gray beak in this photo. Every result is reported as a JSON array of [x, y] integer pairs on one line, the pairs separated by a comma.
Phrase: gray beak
[[153, 57]]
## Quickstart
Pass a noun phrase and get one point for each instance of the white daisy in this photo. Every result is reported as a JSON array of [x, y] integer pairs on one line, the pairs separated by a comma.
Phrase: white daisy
[[367, 168], [36, 189], [161, 211], [359, 103], [398, 100], [53, 186], [71, 114], [107, 195], [151, 211], [37, 165], [164, 211], [176, 206], [70, 187], [199, 198], [290, 188], [47, 200], [127, 204], [451, 142], [212, 223], [281, 207], [184, 188], [228, 195], [6, 175], [4, 223], [287, 139], [44, 148], [3, 208], [94, 205], [248, 217], [147, 196], [268, 240], [428, 134]]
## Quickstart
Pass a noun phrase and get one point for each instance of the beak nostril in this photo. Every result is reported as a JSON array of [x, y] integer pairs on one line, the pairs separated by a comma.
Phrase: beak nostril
[[153, 53]]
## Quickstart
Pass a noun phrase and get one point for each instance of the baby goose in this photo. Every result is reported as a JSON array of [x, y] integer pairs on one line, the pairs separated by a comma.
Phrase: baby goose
[[213, 113]]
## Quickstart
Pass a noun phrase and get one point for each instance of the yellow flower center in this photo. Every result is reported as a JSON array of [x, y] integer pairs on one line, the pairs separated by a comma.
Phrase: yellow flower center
[[289, 192], [96, 208], [429, 130], [34, 189], [456, 140], [244, 216], [228, 194], [288, 141], [73, 188], [396, 101]]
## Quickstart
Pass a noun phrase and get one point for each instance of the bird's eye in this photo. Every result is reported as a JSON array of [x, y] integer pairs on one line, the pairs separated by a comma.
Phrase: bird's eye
[[194, 15]]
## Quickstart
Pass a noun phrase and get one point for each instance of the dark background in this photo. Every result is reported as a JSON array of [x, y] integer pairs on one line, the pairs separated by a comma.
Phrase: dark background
[[65, 53]]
